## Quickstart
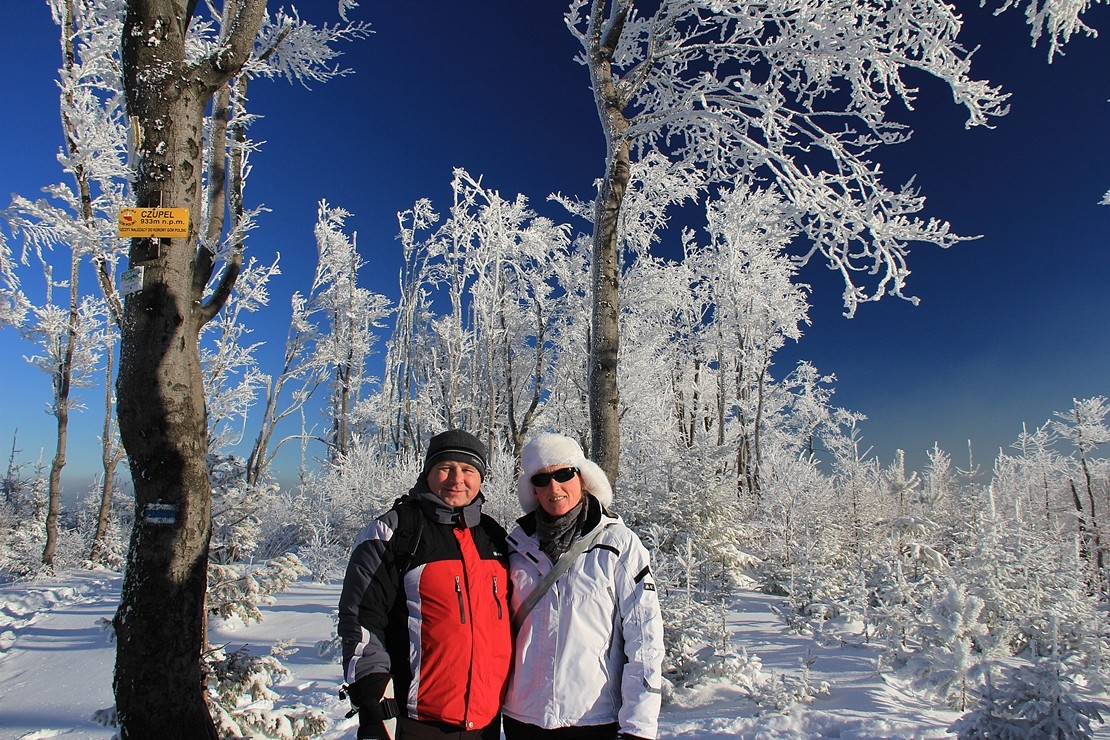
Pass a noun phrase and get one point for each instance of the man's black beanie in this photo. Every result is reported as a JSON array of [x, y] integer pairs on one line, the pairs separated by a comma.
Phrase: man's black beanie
[[455, 444]]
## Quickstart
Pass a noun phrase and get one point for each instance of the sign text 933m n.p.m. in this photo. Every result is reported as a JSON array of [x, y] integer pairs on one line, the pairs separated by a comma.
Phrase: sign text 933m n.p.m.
[[172, 223]]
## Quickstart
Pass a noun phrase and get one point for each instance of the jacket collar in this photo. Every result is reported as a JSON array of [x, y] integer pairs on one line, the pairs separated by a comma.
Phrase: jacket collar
[[593, 516], [437, 511]]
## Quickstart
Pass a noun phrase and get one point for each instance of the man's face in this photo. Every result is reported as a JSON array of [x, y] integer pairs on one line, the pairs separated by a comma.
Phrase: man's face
[[454, 482]]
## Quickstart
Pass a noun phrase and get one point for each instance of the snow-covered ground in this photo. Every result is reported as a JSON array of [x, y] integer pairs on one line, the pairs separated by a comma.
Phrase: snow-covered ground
[[56, 660]]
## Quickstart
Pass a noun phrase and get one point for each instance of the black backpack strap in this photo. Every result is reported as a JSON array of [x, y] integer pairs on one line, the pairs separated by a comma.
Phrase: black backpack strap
[[496, 533], [410, 525]]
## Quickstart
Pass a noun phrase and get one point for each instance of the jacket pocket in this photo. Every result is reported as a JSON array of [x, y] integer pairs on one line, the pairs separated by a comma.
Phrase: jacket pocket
[[462, 603], [497, 599]]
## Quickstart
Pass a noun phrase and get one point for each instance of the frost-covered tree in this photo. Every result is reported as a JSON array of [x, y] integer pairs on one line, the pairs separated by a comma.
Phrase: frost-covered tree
[[514, 308], [232, 378], [182, 61], [1054, 22], [1086, 428], [239, 687], [22, 518], [1041, 700], [331, 333], [73, 226], [351, 315], [797, 515], [238, 591], [988, 720], [103, 549], [751, 308], [351, 489], [949, 649], [69, 337], [301, 369], [798, 96], [1035, 469], [506, 280], [402, 421]]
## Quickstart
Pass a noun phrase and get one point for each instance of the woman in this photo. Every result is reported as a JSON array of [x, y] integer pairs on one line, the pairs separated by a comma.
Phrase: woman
[[589, 644]]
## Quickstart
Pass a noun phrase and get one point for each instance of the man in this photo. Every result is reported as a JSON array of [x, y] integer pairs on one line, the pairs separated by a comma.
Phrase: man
[[424, 608]]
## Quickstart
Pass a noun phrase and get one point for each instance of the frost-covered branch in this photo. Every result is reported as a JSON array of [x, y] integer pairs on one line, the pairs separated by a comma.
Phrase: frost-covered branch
[[797, 95]]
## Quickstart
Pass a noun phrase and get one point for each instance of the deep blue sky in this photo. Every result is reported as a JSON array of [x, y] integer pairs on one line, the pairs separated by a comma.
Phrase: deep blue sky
[[1010, 328]]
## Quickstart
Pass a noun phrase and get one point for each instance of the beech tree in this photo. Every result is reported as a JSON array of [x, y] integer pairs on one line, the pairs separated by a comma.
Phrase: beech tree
[[232, 378], [488, 361], [111, 455], [403, 419], [302, 369], [749, 289], [161, 392], [180, 65], [1085, 427], [74, 223], [509, 319], [352, 315], [794, 94], [70, 340]]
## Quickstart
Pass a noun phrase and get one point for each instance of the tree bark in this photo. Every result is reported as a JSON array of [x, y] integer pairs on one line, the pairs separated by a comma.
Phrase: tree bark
[[158, 682], [605, 435], [110, 456], [604, 396]]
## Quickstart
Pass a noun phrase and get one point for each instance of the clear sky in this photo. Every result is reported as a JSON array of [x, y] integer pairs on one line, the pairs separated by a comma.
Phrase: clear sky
[[1010, 328]]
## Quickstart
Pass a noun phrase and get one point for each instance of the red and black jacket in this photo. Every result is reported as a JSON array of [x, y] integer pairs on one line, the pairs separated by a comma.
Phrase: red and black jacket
[[431, 608]]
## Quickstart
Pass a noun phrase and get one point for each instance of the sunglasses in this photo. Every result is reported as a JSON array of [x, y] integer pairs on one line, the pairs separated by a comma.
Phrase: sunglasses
[[539, 480]]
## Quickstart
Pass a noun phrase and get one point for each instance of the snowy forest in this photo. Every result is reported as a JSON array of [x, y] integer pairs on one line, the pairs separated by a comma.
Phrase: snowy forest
[[984, 587]]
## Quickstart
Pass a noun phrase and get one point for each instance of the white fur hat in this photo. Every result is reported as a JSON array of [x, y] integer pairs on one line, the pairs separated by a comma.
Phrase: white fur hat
[[547, 450]]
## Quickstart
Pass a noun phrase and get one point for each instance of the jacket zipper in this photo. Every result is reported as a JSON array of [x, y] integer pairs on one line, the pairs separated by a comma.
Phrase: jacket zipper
[[496, 598], [458, 592]]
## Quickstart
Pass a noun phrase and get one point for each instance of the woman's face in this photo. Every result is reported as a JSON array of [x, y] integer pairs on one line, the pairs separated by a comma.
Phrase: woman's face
[[558, 498]]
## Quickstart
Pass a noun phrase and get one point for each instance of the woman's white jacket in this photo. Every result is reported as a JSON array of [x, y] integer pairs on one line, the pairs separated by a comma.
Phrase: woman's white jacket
[[591, 650]]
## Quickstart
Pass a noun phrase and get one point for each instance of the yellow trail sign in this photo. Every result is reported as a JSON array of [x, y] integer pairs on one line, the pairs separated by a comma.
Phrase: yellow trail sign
[[153, 222]]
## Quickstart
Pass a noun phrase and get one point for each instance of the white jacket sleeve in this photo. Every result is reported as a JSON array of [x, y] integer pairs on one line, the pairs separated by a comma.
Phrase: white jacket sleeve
[[641, 622]]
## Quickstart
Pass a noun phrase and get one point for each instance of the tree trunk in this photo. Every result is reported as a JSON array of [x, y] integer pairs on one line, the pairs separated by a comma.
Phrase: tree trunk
[[110, 456], [160, 622], [605, 436], [1098, 550], [341, 411], [63, 374], [1085, 541], [604, 397], [63, 382], [162, 423]]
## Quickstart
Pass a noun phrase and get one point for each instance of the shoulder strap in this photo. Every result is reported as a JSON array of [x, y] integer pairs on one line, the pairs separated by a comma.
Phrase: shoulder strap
[[410, 525], [580, 546], [494, 531]]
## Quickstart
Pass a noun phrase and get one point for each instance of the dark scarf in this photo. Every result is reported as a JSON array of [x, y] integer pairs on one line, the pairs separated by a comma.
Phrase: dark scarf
[[557, 533]]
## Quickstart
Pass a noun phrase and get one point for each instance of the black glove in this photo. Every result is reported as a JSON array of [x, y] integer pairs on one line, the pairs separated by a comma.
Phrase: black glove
[[366, 693]]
